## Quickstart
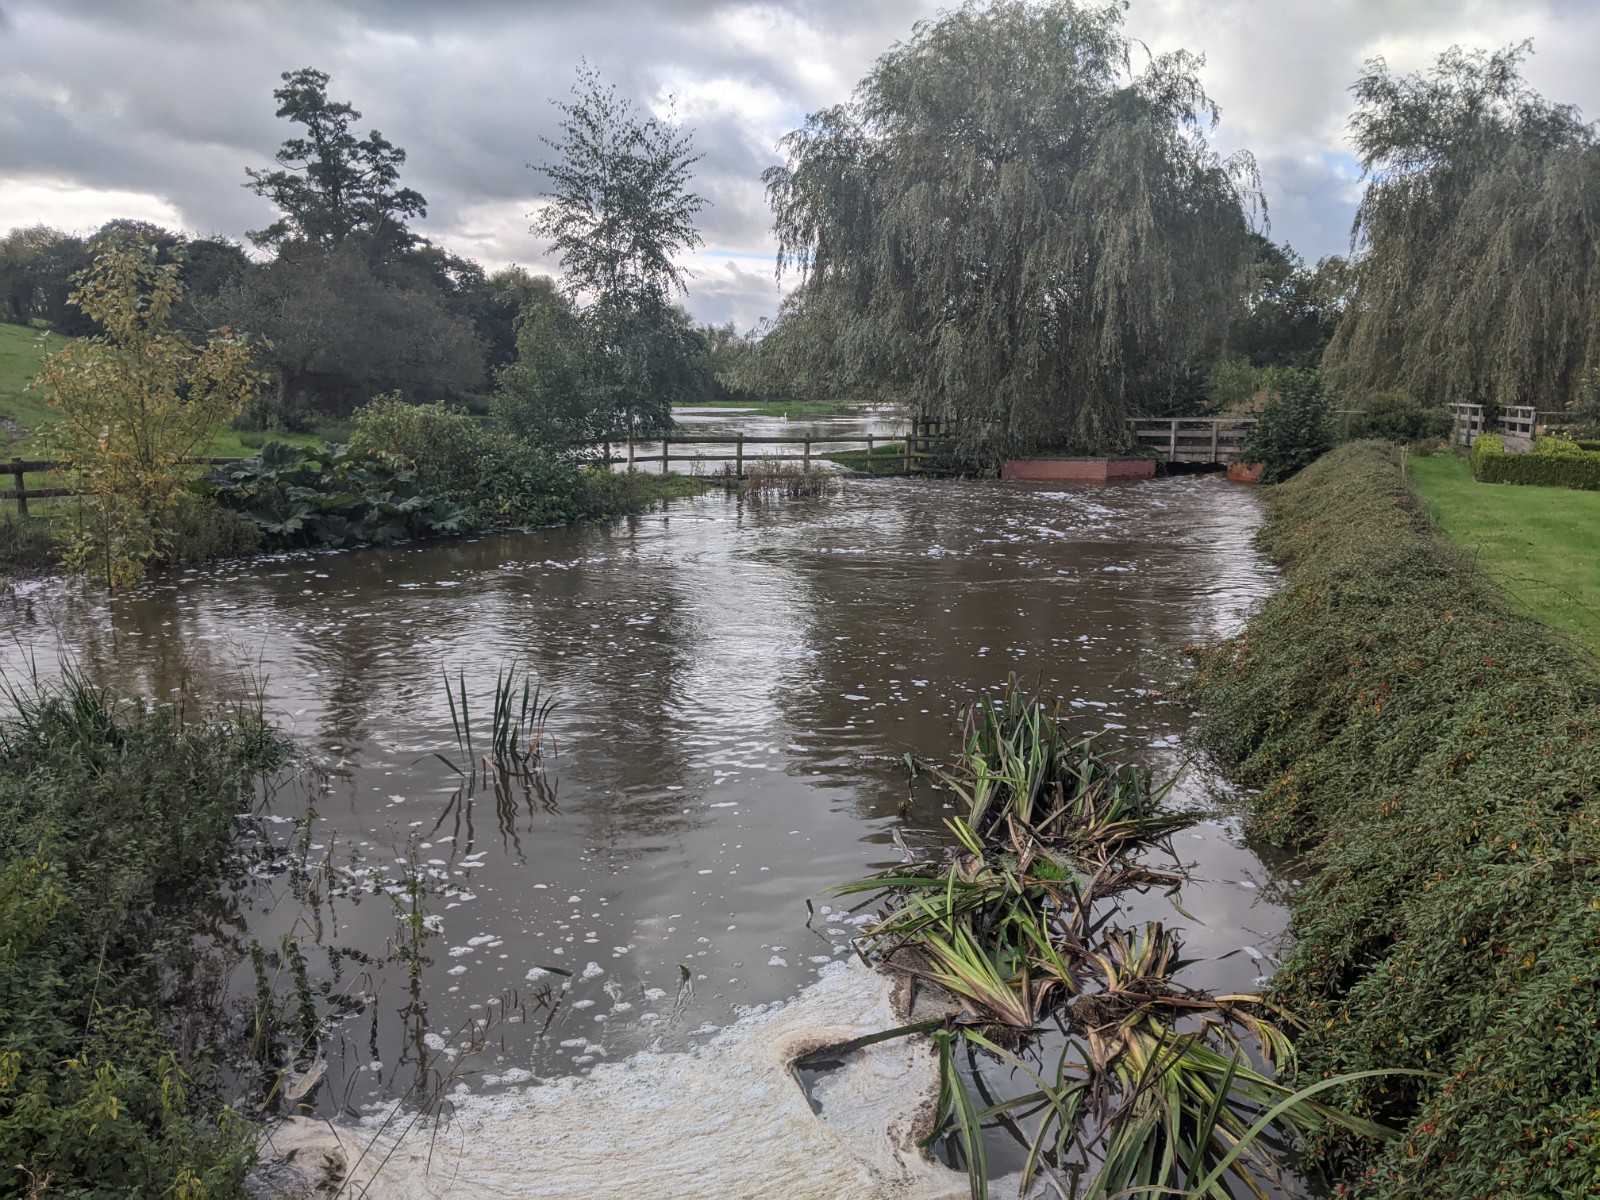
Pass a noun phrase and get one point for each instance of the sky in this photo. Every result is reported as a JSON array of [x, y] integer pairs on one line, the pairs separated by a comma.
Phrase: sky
[[153, 109]]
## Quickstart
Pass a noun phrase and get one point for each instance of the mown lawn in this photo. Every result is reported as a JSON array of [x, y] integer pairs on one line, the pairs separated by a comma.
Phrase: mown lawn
[[1543, 544]]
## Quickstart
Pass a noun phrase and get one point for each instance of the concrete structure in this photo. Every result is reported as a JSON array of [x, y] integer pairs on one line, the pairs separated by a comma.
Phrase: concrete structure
[[1062, 469]]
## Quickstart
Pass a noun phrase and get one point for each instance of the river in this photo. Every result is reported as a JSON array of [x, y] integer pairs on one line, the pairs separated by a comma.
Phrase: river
[[738, 684]]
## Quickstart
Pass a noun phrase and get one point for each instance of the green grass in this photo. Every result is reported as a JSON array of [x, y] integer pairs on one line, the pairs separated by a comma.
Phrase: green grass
[[22, 351], [1541, 543], [887, 459]]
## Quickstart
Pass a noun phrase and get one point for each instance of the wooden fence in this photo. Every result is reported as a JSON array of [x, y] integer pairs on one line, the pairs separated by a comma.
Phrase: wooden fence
[[914, 448], [1518, 423], [20, 468], [1194, 439]]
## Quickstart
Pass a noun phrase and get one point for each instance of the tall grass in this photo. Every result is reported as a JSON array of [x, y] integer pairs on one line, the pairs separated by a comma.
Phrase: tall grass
[[519, 713], [1154, 1090], [764, 479]]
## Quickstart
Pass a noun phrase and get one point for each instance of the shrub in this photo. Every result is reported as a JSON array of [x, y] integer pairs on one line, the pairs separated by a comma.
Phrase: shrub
[[1234, 383], [298, 496], [117, 826], [1553, 462], [440, 442], [136, 403], [1293, 430], [521, 484], [200, 529], [499, 478], [26, 545], [1436, 755], [1397, 417], [626, 493]]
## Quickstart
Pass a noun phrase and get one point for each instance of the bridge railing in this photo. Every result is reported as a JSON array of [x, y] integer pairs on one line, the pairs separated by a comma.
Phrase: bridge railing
[[1193, 439], [1519, 423], [912, 447]]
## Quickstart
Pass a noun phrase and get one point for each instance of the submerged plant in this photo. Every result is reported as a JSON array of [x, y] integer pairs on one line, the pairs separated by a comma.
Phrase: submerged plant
[[1153, 1090]]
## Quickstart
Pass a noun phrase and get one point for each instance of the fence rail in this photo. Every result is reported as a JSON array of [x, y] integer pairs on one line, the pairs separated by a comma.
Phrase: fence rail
[[1194, 439], [1519, 422], [914, 447]]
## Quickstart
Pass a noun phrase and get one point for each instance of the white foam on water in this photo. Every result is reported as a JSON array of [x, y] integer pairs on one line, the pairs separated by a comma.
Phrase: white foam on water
[[726, 1119]]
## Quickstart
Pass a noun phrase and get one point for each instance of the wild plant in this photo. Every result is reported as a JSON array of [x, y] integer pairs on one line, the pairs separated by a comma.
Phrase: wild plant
[[1152, 1089]]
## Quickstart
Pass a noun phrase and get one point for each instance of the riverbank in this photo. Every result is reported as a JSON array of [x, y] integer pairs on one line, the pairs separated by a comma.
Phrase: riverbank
[[1435, 755], [119, 825], [1541, 543], [30, 546]]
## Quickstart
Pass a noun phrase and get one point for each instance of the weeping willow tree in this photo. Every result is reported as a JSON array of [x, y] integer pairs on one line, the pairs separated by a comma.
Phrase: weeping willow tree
[[1477, 274], [1011, 228]]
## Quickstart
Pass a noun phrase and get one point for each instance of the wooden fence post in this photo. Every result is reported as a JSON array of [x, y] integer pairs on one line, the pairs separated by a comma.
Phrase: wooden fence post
[[1172, 441], [738, 459], [630, 451], [911, 449], [1216, 426], [807, 463], [665, 442], [869, 452], [22, 490]]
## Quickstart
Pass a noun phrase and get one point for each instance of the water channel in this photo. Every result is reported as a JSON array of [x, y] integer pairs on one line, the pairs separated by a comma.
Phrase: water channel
[[738, 684]]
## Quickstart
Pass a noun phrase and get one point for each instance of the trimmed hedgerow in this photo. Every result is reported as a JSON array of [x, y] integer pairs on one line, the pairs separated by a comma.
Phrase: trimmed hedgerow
[[1553, 462], [1436, 757]]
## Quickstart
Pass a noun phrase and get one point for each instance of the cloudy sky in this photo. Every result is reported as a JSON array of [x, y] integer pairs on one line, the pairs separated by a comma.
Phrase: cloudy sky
[[154, 109]]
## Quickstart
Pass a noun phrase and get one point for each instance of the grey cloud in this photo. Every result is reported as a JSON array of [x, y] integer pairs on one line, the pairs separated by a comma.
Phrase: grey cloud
[[173, 97]]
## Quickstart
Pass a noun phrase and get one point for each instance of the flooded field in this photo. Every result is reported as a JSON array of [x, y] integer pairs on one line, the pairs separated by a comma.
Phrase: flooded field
[[737, 687]]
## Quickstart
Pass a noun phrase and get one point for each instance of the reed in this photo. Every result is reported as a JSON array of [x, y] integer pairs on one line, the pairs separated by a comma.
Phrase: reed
[[519, 716]]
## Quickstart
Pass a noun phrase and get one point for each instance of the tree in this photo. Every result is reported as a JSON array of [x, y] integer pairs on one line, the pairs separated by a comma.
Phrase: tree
[[1015, 231], [332, 186], [136, 403], [620, 209], [1476, 274], [1288, 314], [339, 334], [37, 264]]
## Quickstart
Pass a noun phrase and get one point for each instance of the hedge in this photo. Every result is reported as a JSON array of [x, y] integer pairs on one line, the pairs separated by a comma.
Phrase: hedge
[[1434, 756], [1552, 462]]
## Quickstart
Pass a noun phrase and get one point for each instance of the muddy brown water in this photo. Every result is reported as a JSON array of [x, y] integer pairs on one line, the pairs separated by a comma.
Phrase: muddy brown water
[[738, 685]]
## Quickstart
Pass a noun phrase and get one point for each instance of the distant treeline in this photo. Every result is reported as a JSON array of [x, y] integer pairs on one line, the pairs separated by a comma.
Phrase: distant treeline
[[1006, 227]]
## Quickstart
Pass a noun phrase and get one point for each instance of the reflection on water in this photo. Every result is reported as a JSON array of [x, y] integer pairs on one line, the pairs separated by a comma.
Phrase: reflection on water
[[737, 685]]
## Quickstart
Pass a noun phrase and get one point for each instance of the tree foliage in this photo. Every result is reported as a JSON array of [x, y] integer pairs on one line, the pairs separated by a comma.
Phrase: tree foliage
[[1477, 277], [136, 402], [619, 212], [340, 333], [1290, 308], [37, 264], [331, 185], [1012, 228]]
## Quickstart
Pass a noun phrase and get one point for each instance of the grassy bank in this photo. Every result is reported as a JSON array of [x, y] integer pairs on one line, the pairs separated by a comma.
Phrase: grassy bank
[[1436, 755], [118, 826], [1542, 543]]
